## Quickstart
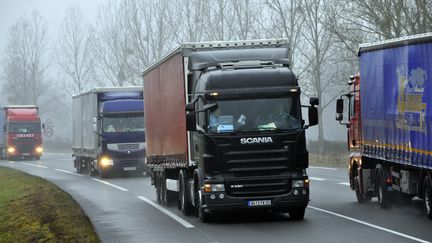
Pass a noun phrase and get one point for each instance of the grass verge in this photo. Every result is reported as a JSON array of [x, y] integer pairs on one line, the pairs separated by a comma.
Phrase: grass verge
[[34, 210]]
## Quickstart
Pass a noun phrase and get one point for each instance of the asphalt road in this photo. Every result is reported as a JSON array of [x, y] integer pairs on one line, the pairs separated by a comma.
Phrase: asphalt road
[[125, 210]]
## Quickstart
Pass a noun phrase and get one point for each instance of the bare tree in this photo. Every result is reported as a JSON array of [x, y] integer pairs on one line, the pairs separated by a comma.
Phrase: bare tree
[[74, 57], [288, 17], [322, 65], [25, 63], [114, 46]]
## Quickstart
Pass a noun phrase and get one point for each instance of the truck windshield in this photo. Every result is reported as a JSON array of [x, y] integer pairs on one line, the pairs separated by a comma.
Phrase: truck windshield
[[123, 123], [255, 115], [24, 127]]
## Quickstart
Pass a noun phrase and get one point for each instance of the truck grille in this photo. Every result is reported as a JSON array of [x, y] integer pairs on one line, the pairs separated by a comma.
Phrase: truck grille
[[25, 141], [258, 187], [26, 149], [257, 171], [128, 146]]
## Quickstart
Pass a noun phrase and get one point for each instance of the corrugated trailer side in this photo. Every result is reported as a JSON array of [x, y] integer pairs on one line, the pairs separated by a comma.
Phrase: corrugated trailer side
[[396, 103], [85, 108], [164, 105], [76, 123]]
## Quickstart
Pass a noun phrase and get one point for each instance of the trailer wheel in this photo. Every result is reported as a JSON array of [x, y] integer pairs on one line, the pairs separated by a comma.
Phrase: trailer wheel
[[297, 214], [90, 169], [361, 197], [427, 190], [383, 195], [157, 187], [184, 201]]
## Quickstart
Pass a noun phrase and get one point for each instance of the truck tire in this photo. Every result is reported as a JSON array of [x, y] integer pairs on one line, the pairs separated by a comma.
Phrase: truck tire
[[157, 183], [103, 174], [427, 191], [381, 187], [167, 197], [360, 195], [297, 214], [184, 199], [202, 215], [90, 169]]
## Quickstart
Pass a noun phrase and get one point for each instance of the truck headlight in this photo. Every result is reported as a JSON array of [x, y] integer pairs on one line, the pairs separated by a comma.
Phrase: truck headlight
[[214, 187], [39, 150], [300, 183], [106, 161], [11, 150]]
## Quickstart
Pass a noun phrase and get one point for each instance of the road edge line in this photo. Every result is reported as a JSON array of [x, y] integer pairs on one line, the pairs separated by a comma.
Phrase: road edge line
[[68, 172], [170, 214], [40, 166], [111, 185], [369, 224]]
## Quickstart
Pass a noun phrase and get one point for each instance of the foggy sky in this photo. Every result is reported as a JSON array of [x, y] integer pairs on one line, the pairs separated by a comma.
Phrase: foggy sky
[[53, 12]]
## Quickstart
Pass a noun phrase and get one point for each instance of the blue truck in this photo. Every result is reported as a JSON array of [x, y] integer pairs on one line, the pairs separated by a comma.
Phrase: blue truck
[[108, 131], [390, 121]]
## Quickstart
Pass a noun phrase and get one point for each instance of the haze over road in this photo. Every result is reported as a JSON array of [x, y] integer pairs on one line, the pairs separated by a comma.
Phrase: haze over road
[[125, 210]]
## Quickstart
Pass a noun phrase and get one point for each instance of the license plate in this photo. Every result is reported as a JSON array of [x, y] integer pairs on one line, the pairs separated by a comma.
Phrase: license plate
[[25, 154], [129, 168], [259, 203]]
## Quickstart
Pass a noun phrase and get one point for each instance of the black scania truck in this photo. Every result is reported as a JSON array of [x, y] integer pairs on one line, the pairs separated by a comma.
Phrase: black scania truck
[[224, 128]]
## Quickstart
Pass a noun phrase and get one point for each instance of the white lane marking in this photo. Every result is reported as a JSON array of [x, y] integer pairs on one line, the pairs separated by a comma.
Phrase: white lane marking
[[11, 162], [69, 172], [40, 166], [344, 183], [370, 225], [111, 185], [167, 212], [317, 179], [322, 168]]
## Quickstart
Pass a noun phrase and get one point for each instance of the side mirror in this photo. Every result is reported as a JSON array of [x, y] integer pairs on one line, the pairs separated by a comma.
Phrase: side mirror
[[339, 106], [190, 107], [313, 116], [313, 101], [43, 125], [191, 122], [339, 116]]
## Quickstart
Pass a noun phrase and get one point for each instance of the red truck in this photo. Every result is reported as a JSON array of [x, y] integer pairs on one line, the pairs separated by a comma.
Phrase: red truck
[[20, 132], [390, 121]]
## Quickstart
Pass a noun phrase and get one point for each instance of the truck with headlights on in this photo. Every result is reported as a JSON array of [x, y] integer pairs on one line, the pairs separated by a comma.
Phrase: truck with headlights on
[[108, 131], [225, 130], [20, 132]]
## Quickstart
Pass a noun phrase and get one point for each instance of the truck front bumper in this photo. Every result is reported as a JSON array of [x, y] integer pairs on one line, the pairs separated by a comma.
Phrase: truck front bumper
[[220, 201], [126, 165]]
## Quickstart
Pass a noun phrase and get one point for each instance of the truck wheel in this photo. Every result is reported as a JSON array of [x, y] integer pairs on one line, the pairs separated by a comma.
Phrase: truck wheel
[[157, 187], [184, 201], [297, 213], [383, 195], [103, 174], [90, 169], [361, 197], [201, 213], [427, 190]]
